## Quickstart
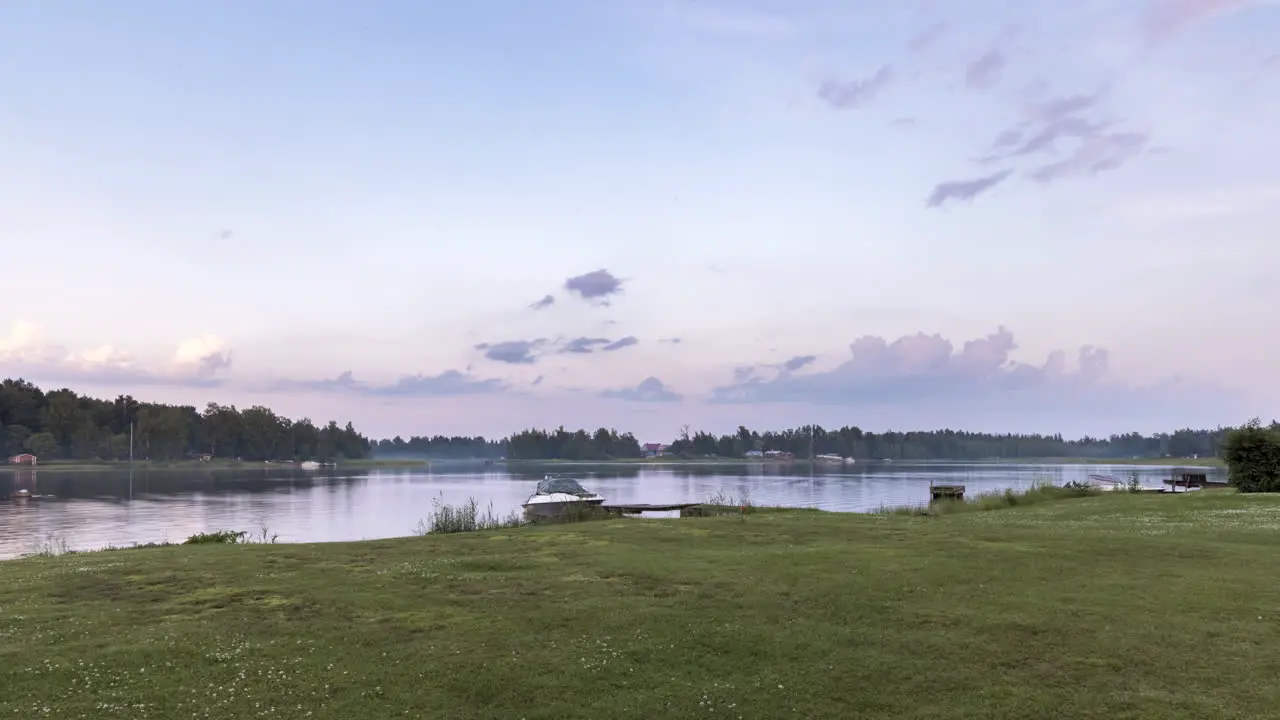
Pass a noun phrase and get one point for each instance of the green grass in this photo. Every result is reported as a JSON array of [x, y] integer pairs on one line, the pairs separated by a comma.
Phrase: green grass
[[1113, 606], [1009, 498]]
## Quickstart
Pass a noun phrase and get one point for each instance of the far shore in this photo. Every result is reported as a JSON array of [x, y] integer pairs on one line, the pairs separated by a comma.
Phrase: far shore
[[672, 460], [661, 461], [108, 465]]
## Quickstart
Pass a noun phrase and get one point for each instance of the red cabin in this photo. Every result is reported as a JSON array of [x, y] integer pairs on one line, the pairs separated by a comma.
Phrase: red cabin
[[24, 459]]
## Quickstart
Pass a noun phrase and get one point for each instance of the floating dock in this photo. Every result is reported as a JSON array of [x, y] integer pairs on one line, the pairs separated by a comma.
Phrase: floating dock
[[946, 492], [637, 508]]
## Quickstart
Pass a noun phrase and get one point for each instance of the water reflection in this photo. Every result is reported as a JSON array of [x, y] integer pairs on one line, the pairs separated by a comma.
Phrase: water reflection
[[89, 510]]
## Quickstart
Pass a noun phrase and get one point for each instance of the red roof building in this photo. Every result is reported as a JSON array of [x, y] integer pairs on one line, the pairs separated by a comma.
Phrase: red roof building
[[23, 459]]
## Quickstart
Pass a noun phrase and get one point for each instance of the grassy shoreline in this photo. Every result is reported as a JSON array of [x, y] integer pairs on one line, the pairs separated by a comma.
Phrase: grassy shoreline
[[1109, 606]]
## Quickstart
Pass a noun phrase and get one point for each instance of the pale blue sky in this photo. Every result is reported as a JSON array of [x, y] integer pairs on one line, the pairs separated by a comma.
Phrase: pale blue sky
[[239, 200]]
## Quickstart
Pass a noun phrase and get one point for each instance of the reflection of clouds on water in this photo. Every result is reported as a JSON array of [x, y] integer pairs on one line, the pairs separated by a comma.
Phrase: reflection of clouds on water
[[94, 510]]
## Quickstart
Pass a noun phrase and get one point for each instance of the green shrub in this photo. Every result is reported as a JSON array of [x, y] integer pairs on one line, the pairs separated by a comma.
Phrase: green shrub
[[225, 537], [1252, 454]]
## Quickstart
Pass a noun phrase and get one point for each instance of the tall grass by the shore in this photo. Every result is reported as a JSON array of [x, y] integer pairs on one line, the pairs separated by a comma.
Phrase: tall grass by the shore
[[466, 517], [1039, 493]]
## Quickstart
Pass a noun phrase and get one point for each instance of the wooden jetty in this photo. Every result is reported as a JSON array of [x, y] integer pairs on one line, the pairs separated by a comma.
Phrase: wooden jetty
[[946, 492], [1193, 478], [637, 508]]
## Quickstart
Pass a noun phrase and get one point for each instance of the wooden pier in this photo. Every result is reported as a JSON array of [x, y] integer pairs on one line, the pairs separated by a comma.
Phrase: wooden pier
[[637, 508], [946, 492], [1187, 478]]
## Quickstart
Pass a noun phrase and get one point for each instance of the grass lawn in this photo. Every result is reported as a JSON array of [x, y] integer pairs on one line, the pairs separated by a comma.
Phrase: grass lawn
[[1115, 606]]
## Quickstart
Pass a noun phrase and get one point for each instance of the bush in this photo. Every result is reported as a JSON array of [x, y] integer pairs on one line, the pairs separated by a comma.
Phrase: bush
[[1252, 454], [228, 537]]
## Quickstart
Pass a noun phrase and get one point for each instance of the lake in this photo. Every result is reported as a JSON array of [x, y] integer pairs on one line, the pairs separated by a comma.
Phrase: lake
[[92, 510]]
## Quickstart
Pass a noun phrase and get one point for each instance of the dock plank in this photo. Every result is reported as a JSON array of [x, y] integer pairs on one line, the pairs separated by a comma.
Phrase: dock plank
[[648, 507]]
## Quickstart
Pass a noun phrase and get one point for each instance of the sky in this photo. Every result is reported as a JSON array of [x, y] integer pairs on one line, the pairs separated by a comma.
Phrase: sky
[[440, 218]]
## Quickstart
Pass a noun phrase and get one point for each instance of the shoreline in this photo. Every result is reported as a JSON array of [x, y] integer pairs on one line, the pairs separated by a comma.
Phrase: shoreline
[[375, 464], [188, 465], [658, 461]]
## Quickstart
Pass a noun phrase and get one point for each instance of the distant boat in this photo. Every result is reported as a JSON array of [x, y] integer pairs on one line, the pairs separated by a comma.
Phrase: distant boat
[[556, 494], [835, 459], [313, 465]]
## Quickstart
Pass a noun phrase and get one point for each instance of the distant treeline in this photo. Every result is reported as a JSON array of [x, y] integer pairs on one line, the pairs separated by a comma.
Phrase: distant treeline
[[63, 425], [603, 444]]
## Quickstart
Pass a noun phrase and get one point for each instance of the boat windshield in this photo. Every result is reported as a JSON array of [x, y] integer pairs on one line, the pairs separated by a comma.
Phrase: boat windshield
[[561, 485]]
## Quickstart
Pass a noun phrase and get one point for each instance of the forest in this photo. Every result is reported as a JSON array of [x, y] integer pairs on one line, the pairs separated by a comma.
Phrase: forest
[[604, 444], [64, 425]]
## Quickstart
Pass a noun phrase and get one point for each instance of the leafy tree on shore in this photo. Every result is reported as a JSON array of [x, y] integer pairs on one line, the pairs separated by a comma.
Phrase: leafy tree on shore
[[1252, 454], [61, 424]]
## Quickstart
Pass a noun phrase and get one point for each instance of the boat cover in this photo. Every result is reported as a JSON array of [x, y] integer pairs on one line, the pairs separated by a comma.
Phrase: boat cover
[[567, 486]]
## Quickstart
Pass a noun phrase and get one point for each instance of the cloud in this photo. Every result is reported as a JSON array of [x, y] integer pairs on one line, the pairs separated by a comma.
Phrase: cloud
[[583, 345], [850, 94], [965, 189], [538, 380], [546, 302], [449, 383], [587, 345], [1059, 135], [924, 368], [672, 340], [595, 285], [650, 389], [512, 352], [1094, 155], [984, 72], [620, 343], [1165, 18], [203, 356], [226, 235], [26, 351], [798, 362]]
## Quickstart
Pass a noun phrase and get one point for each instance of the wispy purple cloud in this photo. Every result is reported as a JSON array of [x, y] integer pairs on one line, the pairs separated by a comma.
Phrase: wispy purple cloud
[[851, 94], [650, 389], [595, 285], [512, 352], [985, 71], [965, 189]]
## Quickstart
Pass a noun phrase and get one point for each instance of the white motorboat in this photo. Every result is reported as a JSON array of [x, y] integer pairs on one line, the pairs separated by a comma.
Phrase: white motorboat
[[555, 494]]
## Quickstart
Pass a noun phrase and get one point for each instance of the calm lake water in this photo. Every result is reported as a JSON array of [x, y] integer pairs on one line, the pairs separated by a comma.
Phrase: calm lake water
[[91, 510]]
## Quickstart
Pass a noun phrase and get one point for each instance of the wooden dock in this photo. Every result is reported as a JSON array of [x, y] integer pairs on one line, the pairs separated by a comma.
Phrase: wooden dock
[[1193, 478], [946, 492], [637, 508]]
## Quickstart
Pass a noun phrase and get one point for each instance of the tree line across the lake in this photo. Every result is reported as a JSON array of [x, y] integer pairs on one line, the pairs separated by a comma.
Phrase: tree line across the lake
[[804, 442], [62, 424]]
